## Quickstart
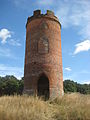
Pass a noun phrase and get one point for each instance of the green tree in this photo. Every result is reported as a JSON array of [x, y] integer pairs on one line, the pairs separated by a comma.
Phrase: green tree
[[69, 86], [11, 87], [83, 88], [2, 86], [21, 86]]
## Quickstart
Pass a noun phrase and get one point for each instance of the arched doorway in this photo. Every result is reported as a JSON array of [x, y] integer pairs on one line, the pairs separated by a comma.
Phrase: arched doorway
[[43, 86]]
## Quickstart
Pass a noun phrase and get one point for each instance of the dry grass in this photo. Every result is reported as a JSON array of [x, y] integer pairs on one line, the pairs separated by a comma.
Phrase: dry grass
[[72, 107], [69, 107]]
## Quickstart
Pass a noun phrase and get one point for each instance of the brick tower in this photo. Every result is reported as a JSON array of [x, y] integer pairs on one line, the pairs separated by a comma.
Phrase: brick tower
[[43, 56]]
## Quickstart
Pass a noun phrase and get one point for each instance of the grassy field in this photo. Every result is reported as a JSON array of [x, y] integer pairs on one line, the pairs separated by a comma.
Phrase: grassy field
[[69, 107]]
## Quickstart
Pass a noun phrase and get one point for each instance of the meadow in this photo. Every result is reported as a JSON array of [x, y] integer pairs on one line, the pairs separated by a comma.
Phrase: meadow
[[72, 106]]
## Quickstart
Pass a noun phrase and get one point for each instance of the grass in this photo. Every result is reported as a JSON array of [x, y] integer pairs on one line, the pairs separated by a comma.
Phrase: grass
[[69, 107]]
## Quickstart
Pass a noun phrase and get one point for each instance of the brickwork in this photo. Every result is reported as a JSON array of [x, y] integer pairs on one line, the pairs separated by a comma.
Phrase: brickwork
[[43, 53]]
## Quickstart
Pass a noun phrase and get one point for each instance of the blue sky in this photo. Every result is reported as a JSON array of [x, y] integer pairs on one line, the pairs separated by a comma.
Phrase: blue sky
[[74, 16]]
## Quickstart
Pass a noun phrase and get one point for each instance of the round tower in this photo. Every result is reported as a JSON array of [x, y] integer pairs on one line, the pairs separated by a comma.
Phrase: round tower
[[43, 56]]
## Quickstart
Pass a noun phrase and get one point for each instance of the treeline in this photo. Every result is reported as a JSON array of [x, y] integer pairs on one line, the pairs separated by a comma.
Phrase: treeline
[[71, 86], [10, 85]]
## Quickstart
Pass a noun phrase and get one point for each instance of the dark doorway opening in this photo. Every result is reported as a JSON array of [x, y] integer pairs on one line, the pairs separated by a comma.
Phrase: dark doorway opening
[[43, 87]]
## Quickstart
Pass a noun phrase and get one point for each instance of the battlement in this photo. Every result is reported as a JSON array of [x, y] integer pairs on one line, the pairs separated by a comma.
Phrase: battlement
[[37, 14]]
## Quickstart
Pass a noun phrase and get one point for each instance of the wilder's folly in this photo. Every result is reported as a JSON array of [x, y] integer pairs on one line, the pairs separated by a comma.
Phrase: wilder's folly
[[43, 56]]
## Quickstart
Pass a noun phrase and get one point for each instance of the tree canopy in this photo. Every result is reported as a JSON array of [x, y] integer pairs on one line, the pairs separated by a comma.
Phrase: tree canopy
[[71, 86], [10, 85]]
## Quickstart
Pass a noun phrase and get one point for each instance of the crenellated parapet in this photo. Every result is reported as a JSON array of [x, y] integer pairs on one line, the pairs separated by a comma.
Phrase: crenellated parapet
[[37, 15]]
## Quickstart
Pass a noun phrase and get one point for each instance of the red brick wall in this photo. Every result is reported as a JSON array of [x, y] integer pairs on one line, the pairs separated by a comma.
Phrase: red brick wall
[[43, 54]]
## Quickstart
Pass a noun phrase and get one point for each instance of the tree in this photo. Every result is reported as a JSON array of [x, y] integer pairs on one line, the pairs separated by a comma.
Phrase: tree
[[83, 88], [70, 86], [2, 86], [11, 87], [21, 86]]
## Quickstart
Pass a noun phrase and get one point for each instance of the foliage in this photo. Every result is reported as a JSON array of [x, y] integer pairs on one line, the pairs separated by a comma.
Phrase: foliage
[[71, 86], [10, 85]]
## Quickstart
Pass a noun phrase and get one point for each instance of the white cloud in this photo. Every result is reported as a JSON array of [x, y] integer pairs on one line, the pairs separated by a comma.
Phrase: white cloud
[[10, 70], [83, 46], [68, 69], [4, 34]]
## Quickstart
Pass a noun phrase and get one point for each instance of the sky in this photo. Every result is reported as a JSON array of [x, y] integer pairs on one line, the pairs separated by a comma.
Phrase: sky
[[74, 16]]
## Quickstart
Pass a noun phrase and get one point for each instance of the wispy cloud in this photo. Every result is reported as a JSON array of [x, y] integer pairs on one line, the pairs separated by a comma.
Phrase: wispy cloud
[[10, 70], [6, 52], [68, 69], [74, 76], [70, 13], [29, 4], [45, 2], [75, 13], [84, 72], [24, 4], [14, 42], [82, 46], [4, 34]]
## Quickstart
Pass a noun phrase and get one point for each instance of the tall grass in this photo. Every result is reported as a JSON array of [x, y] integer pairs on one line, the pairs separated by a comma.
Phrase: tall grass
[[69, 107], [72, 107]]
